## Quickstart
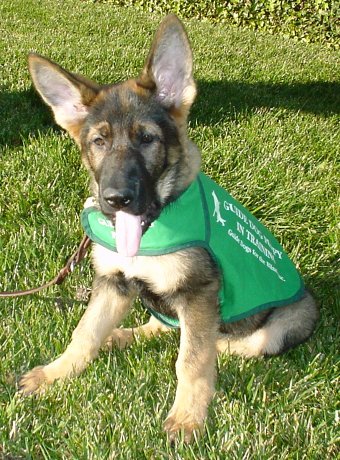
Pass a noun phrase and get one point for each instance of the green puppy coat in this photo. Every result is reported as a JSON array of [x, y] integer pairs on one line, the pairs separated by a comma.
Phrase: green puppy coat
[[256, 273]]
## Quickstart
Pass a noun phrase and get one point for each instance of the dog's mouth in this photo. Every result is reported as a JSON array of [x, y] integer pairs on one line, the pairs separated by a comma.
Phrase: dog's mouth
[[130, 229]]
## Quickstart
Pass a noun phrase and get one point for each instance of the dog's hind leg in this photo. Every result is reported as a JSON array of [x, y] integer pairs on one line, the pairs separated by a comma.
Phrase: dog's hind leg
[[108, 306], [285, 328], [124, 337]]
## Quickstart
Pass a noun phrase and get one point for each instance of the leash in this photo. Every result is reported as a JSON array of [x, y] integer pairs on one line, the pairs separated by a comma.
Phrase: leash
[[74, 260]]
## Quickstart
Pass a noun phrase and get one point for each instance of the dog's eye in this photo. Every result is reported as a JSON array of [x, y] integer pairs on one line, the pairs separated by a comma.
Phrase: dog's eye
[[99, 141], [146, 138]]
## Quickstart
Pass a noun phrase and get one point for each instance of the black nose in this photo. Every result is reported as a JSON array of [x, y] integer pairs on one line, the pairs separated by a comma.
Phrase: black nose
[[118, 199]]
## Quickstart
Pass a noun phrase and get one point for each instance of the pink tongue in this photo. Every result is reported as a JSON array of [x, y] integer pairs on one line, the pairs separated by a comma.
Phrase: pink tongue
[[128, 233]]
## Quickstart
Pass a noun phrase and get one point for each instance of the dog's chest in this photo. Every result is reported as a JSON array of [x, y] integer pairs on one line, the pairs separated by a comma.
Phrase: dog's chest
[[163, 274]]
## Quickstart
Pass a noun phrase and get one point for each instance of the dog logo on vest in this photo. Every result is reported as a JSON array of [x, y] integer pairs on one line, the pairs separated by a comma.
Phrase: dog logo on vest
[[217, 210]]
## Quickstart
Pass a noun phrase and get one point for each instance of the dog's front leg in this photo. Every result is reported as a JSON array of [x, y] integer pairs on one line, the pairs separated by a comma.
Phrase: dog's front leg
[[195, 369], [108, 305]]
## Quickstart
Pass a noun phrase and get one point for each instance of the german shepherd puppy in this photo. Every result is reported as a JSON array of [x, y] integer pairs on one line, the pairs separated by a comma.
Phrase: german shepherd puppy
[[133, 141]]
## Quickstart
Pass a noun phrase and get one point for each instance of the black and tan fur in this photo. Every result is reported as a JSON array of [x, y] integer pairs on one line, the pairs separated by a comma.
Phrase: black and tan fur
[[134, 143]]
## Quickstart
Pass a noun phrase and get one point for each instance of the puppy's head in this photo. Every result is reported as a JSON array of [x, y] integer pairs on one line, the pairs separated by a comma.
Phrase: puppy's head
[[132, 135]]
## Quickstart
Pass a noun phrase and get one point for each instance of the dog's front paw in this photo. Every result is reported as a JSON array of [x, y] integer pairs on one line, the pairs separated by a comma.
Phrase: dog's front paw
[[179, 422], [120, 338], [33, 381]]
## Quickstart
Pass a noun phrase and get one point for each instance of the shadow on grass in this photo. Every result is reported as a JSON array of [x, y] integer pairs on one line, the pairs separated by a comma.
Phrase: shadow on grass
[[23, 113], [226, 99]]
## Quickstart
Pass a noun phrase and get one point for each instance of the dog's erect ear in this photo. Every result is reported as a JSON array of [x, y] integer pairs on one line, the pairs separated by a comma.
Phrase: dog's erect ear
[[68, 95], [168, 68]]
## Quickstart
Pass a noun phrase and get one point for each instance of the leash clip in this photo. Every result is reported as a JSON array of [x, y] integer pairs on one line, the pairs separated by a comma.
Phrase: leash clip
[[72, 266]]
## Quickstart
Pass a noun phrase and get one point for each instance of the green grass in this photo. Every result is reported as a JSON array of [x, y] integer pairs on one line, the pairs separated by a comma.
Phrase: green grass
[[267, 121]]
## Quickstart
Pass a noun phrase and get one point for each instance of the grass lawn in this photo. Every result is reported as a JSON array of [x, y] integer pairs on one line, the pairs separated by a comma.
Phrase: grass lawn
[[267, 121]]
